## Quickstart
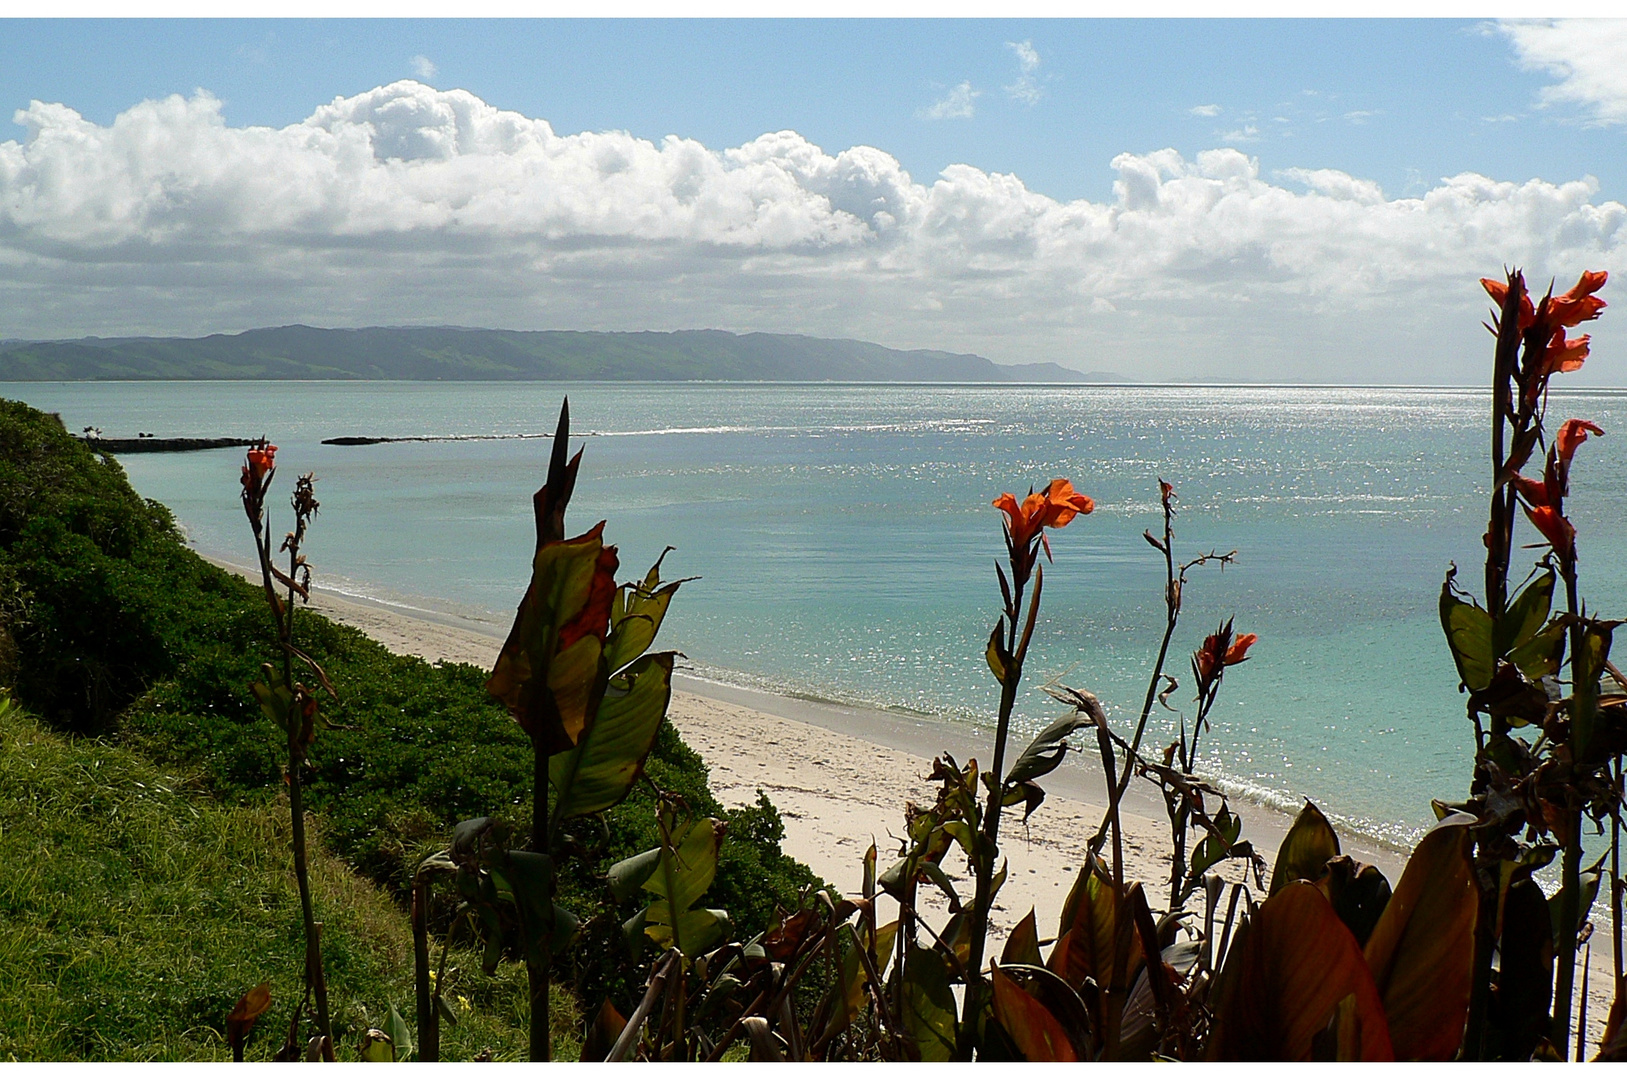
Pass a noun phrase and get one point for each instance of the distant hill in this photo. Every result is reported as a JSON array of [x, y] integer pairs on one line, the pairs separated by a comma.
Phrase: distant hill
[[428, 353]]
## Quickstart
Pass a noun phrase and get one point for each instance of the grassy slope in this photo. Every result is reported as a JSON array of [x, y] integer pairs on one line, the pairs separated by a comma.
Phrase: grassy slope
[[134, 911], [110, 627]]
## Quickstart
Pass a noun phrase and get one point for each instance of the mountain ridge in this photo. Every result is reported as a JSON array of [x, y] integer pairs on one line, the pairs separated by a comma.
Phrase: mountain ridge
[[298, 351]]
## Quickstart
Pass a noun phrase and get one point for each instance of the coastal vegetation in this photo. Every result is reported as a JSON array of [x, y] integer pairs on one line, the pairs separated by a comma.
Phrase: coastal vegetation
[[544, 818]]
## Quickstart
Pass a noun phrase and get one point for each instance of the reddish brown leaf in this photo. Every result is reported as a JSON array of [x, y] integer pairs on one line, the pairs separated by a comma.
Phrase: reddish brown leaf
[[1037, 1033], [1284, 982], [1421, 953]]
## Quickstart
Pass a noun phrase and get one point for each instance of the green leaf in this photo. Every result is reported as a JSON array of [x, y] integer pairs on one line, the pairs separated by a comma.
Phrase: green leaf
[[929, 1005], [996, 654], [1538, 656], [1525, 615], [629, 875], [376, 1046], [1468, 633], [1305, 851], [597, 773], [400, 1035], [683, 874], [1047, 750], [635, 617], [1586, 668]]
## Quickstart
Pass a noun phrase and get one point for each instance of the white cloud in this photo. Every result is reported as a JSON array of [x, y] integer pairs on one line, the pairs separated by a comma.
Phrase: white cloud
[[955, 105], [1026, 88], [1246, 134], [423, 67], [411, 205], [1587, 56], [1204, 110], [1360, 116]]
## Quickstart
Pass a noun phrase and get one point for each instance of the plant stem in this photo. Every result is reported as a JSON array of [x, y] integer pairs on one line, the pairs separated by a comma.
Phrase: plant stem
[[539, 954], [429, 1027]]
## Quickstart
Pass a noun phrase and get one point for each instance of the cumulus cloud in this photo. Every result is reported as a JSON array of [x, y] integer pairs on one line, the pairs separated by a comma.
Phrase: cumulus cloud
[[423, 67], [1588, 57], [955, 105], [1204, 110], [1026, 88], [406, 204]]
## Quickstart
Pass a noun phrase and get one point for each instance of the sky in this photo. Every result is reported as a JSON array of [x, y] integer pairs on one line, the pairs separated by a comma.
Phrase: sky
[[1250, 199]]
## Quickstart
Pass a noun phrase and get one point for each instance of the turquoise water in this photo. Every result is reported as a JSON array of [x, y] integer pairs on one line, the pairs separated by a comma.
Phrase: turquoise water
[[844, 539]]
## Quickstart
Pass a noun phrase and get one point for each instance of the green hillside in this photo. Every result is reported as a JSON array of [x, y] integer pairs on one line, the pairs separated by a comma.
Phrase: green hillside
[[428, 353]]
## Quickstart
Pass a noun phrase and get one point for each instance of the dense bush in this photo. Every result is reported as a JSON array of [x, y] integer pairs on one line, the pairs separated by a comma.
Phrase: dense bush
[[113, 617]]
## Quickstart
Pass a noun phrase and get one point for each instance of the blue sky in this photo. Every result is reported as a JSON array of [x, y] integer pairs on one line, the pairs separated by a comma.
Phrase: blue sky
[[1043, 186]]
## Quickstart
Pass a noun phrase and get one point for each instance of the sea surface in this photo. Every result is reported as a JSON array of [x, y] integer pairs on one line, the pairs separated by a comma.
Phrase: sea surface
[[844, 542]]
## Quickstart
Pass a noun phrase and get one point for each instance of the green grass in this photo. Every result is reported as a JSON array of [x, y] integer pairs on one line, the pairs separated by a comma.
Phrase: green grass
[[134, 911]]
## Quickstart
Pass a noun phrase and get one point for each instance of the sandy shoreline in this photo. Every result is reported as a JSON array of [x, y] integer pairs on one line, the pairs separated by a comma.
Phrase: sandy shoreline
[[840, 777]]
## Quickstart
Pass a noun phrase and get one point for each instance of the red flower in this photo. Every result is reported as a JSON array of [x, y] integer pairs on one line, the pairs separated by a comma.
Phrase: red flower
[[1573, 433], [1579, 304], [1535, 492], [1499, 293]]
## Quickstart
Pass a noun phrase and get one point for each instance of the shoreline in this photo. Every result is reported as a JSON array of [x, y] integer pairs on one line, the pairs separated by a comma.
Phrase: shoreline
[[837, 771]]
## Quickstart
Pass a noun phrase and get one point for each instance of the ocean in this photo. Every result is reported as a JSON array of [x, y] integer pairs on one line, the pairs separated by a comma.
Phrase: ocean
[[843, 538]]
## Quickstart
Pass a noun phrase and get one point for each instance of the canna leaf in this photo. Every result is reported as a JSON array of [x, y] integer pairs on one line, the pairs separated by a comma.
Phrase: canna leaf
[[1525, 615], [548, 671], [1525, 987], [1358, 892], [400, 1035], [1022, 947], [635, 617], [1587, 666], [683, 873], [1538, 656], [1421, 953], [996, 653], [1290, 973], [929, 1004], [1047, 750], [1037, 1033], [596, 773], [1469, 635], [1305, 851]]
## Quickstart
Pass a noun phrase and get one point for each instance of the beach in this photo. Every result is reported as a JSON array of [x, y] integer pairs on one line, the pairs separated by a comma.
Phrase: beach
[[841, 776]]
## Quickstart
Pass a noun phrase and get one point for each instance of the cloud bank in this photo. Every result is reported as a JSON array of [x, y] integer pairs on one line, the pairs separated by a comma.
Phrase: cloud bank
[[1587, 56], [407, 204]]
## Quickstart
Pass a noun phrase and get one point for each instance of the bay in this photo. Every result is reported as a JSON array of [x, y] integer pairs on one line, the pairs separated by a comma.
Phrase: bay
[[844, 539]]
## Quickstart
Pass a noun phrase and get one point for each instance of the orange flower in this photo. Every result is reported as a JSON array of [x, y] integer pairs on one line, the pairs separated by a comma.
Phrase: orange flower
[[1499, 294], [1573, 433], [1552, 524], [1220, 650], [1239, 650], [1579, 304], [262, 458], [1052, 508]]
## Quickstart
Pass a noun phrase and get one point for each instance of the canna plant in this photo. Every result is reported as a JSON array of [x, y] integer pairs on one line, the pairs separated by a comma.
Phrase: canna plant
[[293, 707], [575, 675], [1548, 756]]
